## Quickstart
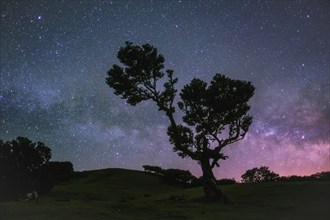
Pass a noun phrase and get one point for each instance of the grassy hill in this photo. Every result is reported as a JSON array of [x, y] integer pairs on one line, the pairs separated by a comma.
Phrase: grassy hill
[[127, 194]]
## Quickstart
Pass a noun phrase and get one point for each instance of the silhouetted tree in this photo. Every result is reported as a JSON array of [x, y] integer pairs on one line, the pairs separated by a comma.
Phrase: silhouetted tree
[[20, 161], [215, 115], [262, 174]]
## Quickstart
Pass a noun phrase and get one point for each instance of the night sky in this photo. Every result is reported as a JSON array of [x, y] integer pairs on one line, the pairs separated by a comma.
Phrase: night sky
[[55, 56]]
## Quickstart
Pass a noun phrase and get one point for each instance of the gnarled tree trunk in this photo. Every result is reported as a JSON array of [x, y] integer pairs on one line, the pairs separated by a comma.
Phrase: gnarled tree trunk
[[211, 189]]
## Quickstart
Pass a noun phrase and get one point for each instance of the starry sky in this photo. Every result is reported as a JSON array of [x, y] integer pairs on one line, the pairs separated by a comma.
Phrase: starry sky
[[55, 56]]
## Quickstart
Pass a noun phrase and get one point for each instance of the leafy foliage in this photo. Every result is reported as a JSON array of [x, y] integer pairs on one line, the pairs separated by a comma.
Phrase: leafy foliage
[[138, 80], [211, 110], [262, 174]]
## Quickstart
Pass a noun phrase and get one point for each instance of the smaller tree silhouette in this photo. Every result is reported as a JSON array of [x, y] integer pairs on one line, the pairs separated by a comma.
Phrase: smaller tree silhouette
[[323, 176], [262, 174], [20, 162]]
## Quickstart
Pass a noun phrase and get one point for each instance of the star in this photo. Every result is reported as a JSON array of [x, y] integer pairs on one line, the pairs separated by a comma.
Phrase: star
[[55, 57]]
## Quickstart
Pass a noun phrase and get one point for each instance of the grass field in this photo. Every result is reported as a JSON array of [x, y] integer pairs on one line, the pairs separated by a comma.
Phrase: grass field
[[126, 194]]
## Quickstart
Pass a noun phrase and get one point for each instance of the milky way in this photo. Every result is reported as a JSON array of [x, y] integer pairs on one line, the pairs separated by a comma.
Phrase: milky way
[[55, 56]]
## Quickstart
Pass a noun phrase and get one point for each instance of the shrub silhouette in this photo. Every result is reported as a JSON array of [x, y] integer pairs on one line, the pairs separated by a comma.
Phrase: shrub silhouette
[[322, 176], [153, 169], [226, 181], [183, 177], [262, 174]]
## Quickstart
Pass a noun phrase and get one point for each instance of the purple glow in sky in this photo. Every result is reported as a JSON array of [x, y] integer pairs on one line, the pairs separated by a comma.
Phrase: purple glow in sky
[[55, 56]]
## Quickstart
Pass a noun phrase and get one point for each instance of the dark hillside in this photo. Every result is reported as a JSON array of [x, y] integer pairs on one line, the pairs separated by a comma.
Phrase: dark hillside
[[128, 194], [111, 184]]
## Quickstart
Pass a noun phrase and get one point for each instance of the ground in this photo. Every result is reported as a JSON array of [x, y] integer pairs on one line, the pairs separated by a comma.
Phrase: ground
[[127, 194]]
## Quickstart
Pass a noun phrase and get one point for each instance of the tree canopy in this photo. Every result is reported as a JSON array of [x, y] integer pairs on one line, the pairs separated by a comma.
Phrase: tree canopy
[[20, 161]]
